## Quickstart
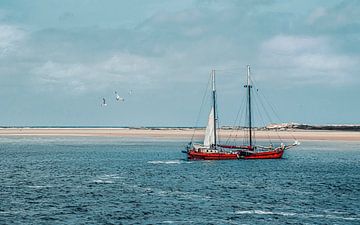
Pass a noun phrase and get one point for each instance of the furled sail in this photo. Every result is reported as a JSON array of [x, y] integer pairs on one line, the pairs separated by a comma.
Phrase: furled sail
[[209, 133]]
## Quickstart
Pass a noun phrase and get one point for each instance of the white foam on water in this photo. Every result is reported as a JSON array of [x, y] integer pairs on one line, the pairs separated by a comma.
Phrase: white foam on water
[[110, 176], [177, 221], [138, 188], [286, 213], [39, 186], [162, 193], [99, 181], [167, 162], [106, 179], [306, 215], [330, 216], [12, 212], [342, 217], [261, 212]]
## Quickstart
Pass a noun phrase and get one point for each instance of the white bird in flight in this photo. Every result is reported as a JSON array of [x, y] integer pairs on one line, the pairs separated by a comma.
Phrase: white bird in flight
[[118, 98]]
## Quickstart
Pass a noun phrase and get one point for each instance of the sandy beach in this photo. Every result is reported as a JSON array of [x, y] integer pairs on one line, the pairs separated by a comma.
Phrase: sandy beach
[[178, 133]]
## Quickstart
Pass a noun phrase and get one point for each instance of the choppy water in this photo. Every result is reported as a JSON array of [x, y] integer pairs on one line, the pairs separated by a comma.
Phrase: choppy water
[[118, 181]]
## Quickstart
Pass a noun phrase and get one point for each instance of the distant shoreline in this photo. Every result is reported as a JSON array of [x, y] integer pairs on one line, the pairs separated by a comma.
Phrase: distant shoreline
[[278, 127], [179, 133]]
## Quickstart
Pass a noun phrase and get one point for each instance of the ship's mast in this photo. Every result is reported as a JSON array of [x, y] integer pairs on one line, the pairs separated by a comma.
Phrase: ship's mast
[[249, 86], [214, 103]]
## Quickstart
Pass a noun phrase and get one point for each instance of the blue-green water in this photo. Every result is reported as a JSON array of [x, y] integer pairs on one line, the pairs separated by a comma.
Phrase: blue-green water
[[127, 181]]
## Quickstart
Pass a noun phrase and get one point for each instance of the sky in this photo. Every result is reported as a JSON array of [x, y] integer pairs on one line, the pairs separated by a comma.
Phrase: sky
[[58, 59]]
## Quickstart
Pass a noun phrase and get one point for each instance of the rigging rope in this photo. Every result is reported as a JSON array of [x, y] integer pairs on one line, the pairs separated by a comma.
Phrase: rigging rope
[[261, 118], [234, 129], [266, 112], [268, 116], [217, 119], [201, 107], [272, 108]]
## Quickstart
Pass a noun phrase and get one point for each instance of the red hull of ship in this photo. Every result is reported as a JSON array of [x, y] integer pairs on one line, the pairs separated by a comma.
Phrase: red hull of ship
[[266, 155], [194, 155]]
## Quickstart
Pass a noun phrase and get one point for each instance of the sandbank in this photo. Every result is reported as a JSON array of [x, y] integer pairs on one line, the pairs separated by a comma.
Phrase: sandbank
[[180, 133]]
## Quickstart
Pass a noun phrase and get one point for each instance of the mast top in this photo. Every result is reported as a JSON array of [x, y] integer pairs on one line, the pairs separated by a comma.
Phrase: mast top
[[213, 79], [214, 105], [248, 76]]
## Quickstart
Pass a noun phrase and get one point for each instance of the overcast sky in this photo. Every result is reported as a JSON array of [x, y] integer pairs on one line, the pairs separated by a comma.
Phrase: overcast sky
[[58, 59]]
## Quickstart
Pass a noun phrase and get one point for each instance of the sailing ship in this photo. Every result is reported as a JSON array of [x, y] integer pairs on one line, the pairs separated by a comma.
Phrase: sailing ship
[[210, 149]]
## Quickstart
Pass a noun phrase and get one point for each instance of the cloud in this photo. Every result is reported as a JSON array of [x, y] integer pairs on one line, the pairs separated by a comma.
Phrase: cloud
[[338, 17], [10, 36], [307, 59], [119, 70], [57, 76], [122, 63], [177, 45], [324, 62], [316, 15], [284, 44]]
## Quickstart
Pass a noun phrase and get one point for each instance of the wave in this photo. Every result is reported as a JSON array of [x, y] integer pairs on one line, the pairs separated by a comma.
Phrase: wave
[[99, 181], [180, 194], [168, 162], [306, 215], [111, 176], [176, 221], [39, 186], [330, 216], [261, 212], [11, 212], [106, 179]]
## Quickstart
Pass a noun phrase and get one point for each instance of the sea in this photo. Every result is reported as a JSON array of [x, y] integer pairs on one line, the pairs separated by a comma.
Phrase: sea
[[103, 180]]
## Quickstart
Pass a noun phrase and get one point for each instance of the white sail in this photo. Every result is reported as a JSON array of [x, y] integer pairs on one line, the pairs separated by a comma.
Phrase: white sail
[[209, 133]]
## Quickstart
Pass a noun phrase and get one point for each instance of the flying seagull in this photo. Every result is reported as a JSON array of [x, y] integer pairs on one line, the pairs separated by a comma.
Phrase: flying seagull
[[103, 102], [118, 98]]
